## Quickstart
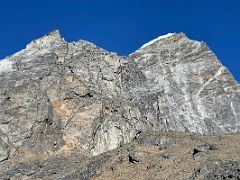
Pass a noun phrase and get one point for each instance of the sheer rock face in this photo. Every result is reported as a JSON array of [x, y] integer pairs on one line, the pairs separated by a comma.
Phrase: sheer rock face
[[181, 86], [60, 97]]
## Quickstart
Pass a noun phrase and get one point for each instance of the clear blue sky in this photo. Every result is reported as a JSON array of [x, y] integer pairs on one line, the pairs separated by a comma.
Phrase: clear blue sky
[[124, 25]]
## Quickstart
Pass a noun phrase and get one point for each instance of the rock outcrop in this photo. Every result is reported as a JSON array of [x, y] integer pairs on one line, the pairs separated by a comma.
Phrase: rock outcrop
[[58, 97]]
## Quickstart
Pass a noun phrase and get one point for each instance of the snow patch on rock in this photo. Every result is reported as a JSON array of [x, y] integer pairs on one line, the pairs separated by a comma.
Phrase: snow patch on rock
[[5, 66], [157, 39]]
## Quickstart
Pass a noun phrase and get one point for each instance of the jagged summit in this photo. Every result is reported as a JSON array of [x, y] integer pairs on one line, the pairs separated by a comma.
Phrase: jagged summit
[[47, 41], [54, 40]]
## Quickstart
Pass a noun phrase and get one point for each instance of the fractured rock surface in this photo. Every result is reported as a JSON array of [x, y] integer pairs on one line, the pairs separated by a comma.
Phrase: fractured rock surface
[[58, 97]]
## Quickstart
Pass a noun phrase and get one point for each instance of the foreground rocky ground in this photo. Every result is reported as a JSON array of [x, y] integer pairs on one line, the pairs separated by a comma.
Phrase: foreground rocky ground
[[150, 156]]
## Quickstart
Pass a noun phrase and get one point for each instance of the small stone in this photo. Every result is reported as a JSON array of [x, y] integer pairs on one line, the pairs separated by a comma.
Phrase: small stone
[[198, 156], [166, 155], [199, 152], [156, 140], [153, 165], [30, 172]]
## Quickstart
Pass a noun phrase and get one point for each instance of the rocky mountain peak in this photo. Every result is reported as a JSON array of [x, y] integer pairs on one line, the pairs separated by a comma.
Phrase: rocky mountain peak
[[156, 40], [58, 97], [163, 40], [50, 40]]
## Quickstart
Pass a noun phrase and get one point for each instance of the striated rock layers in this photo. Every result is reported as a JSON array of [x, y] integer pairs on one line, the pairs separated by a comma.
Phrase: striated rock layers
[[59, 97]]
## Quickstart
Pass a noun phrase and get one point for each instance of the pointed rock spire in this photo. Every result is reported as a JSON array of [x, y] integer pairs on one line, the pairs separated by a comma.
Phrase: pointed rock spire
[[50, 40]]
